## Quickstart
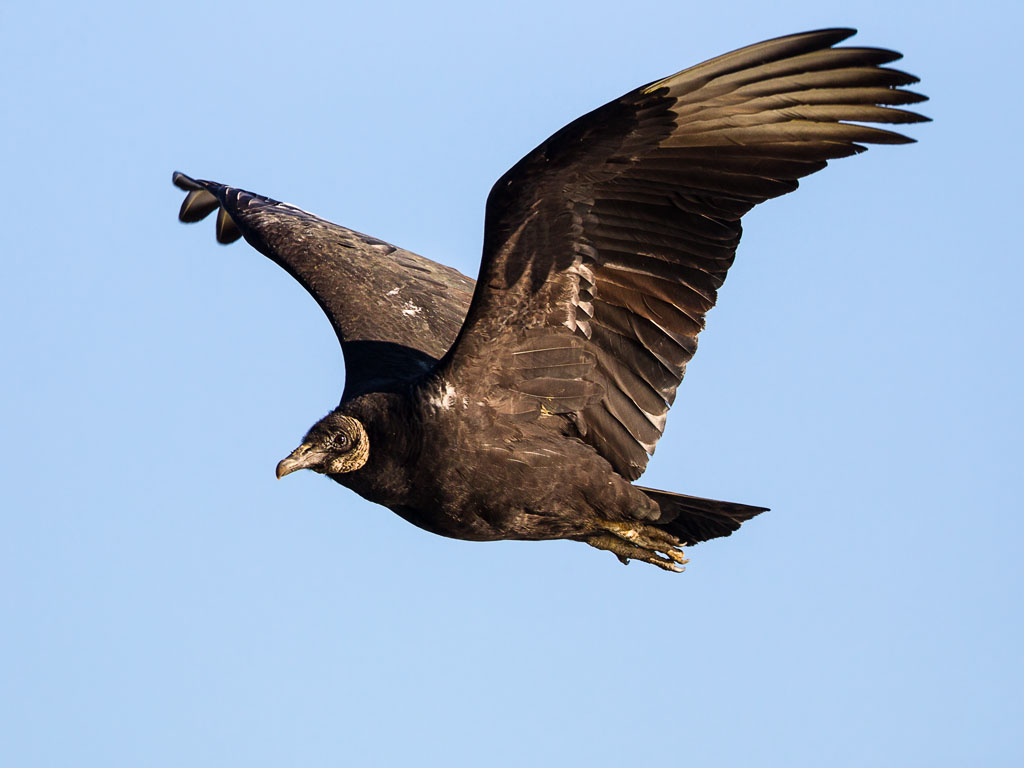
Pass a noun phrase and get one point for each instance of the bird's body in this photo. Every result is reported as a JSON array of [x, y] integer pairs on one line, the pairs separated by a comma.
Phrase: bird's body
[[454, 470], [524, 405]]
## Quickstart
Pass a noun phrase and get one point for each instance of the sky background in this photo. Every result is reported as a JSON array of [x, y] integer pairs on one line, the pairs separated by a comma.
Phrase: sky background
[[164, 601]]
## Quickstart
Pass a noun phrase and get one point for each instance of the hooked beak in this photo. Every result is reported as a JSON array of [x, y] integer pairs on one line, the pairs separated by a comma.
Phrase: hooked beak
[[303, 457]]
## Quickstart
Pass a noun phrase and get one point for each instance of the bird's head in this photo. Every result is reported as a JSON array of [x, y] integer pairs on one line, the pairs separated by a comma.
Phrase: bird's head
[[336, 444]]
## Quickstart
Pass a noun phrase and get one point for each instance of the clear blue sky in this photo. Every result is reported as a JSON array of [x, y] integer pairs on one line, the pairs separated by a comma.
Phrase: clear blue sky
[[164, 601]]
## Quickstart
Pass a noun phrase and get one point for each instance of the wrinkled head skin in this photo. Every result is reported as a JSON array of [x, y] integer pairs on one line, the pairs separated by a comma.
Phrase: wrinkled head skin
[[336, 444]]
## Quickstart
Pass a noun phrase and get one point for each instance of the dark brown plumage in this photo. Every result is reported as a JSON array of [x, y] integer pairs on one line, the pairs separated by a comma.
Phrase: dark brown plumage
[[525, 411]]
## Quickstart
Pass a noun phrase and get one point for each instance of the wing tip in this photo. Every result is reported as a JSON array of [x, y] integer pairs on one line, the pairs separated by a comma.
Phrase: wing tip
[[833, 34], [182, 181], [826, 37], [227, 230], [200, 202]]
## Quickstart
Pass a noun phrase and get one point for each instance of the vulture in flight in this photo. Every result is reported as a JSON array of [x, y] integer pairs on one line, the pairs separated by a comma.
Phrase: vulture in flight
[[523, 406]]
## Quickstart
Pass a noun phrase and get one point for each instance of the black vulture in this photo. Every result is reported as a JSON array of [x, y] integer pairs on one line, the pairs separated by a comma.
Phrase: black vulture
[[524, 405]]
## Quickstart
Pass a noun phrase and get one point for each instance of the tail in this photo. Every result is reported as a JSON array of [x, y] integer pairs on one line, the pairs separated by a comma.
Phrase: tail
[[692, 519]]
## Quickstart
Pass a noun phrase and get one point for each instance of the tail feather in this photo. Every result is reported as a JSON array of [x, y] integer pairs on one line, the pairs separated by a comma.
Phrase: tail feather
[[692, 519]]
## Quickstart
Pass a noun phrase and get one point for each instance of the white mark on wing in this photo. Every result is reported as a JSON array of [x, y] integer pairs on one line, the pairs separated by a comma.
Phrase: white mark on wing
[[392, 292], [580, 307], [409, 309], [445, 398], [297, 209]]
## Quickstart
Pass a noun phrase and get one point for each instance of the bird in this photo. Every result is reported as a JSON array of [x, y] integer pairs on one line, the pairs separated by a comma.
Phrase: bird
[[524, 405]]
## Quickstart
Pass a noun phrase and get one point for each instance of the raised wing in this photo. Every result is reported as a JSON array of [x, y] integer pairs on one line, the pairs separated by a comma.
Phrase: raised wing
[[604, 248], [395, 313]]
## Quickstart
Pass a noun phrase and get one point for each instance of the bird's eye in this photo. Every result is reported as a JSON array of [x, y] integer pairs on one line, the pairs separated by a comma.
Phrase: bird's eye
[[342, 441]]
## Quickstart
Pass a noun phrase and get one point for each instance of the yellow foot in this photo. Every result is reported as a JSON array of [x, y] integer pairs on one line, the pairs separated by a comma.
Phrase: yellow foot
[[636, 541]]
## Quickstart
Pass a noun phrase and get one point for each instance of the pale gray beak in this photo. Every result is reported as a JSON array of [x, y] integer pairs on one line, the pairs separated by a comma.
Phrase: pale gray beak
[[303, 457]]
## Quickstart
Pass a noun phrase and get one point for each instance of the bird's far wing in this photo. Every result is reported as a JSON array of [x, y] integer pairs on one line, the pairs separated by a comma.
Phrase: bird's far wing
[[395, 313], [604, 247]]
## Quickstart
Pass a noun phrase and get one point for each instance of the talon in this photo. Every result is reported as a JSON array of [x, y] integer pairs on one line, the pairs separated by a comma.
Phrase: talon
[[678, 556], [635, 541], [665, 564]]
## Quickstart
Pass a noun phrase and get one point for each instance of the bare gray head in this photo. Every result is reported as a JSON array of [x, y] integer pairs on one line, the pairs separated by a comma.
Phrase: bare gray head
[[336, 444]]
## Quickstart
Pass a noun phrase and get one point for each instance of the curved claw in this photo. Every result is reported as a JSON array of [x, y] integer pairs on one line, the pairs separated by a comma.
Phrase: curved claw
[[635, 542]]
